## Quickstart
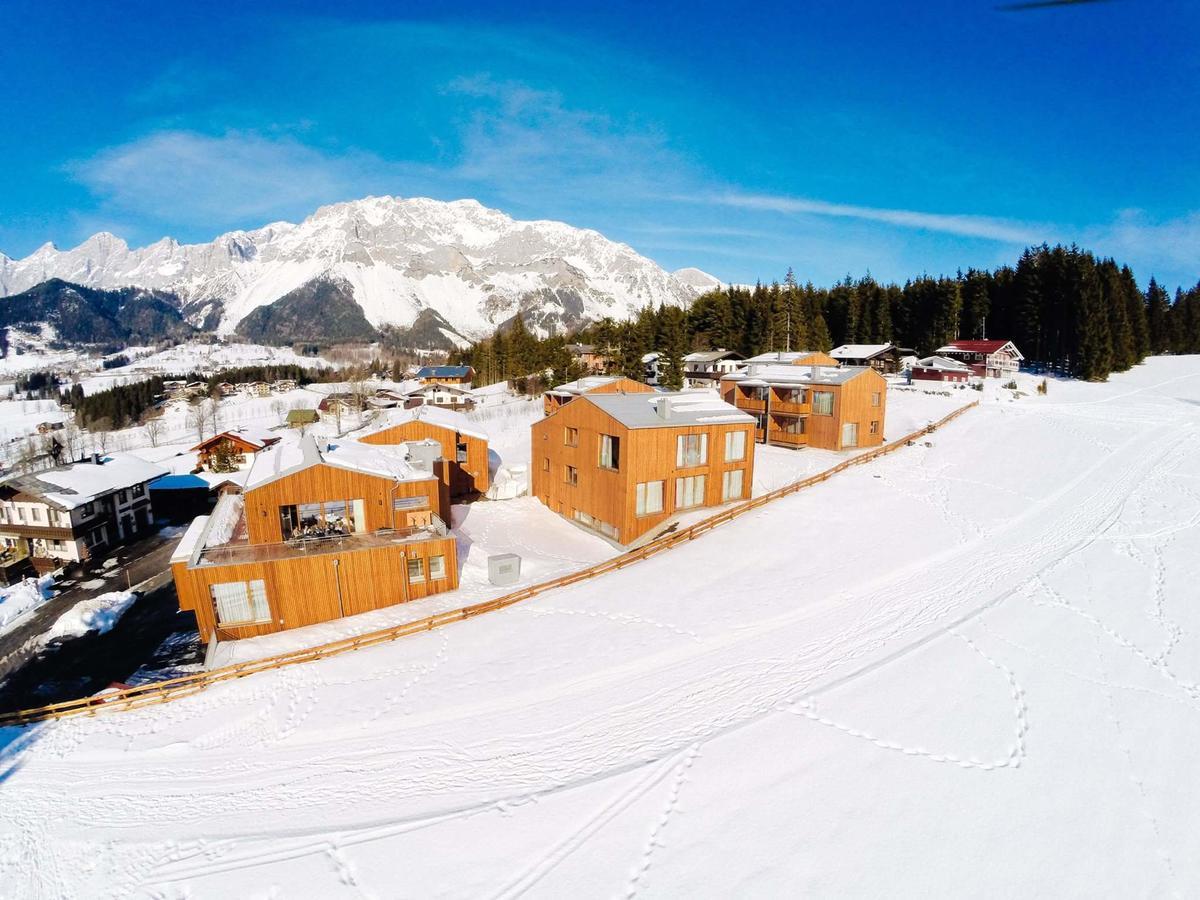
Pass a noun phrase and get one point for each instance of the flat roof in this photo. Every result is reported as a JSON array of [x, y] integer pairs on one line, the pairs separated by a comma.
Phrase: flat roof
[[684, 409], [762, 375]]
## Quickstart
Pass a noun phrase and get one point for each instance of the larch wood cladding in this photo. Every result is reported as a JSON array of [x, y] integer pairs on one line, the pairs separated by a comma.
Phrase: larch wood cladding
[[305, 590], [646, 455], [464, 478], [816, 358], [321, 483]]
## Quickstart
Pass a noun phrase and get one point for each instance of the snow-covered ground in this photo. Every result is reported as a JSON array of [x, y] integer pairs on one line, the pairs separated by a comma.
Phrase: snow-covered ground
[[19, 599], [967, 668]]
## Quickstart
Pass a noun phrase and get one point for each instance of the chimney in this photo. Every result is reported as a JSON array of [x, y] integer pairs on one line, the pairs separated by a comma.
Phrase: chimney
[[662, 406], [96, 459]]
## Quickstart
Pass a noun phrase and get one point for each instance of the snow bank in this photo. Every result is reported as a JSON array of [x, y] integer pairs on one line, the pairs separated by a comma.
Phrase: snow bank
[[98, 615], [23, 597], [510, 482]]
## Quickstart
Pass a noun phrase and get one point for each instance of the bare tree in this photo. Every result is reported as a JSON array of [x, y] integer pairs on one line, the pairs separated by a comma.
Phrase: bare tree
[[197, 419], [212, 411], [153, 429], [279, 408], [101, 430], [72, 441]]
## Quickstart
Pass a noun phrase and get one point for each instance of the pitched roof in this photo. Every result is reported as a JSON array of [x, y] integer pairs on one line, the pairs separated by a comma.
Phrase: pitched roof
[[255, 437], [760, 375], [68, 487], [444, 372], [430, 415], [782, 356], [683, 408], [301, 416], [702, 356], [941, 362], [859, 351], [291, 456], [585, 384], [980, 347]]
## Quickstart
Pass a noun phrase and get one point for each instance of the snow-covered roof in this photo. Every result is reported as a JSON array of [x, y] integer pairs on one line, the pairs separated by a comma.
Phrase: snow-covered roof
[[760, 375], [781, 356], [191, 540], [585, 384], [434, 388], [500, 387], [251, 434], [681, 409], [981, 347], [68, 487], [941, 362], [302, 451], [703, 356], [859, 351], [431, 415]]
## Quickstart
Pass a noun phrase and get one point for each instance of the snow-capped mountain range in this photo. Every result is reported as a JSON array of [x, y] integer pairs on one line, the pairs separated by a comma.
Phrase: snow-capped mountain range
[[459, 266]]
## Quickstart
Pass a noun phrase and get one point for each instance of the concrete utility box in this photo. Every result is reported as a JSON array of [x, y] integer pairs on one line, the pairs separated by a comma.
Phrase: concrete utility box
[[504, 568]]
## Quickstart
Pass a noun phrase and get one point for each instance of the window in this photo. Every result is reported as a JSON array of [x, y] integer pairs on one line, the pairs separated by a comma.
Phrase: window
[[39, 514], [241, 602], [691, 450], [571, 475], [402, 503], [791, 395], [88, 509], [649, 498], [610, 452], [823, 403], [461, 451], [545, 464], [850, 434], [735, 446], [732, 485], [571, 437], [437, 567], [789, 425], [875, 427], [875, 398], [689, 492], [324, 519], [416, 570]]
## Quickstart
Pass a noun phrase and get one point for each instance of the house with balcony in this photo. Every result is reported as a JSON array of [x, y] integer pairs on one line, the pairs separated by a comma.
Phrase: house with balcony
[[321, 531], [987, 359], [941, 368], [74, 514], [831, 408], [450, 396], [234, 445], [589, 358], [624, 465], [704, 368], [464, 445], [886, 359], [591, 384], [459, 376]]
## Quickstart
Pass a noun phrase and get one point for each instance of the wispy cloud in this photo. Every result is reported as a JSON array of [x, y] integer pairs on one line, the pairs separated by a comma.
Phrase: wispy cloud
[[974, 226], [1157, 245]]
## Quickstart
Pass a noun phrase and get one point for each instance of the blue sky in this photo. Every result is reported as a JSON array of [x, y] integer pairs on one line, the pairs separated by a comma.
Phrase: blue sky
[[834, 137]]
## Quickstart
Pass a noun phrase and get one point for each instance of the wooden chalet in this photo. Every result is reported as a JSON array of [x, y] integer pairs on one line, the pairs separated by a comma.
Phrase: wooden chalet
[[438, 394], [593, 361], [987, 359], [887, 359], [592, 384], [464, 446], [74, 513], [460, 376], [320, 532], [625, 464], [239, 442], [940, 368], [832, 408], [301, 418], [704, 368]]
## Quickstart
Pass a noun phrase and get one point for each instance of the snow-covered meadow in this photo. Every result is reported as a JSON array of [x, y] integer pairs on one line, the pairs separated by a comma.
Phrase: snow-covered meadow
[[966, 668]]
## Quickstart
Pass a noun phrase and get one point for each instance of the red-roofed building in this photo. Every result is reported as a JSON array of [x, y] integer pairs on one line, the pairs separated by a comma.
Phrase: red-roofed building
[[988, 359]]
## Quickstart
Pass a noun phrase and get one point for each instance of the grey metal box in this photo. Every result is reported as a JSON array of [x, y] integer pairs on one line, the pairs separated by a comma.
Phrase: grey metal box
[[504, 568]]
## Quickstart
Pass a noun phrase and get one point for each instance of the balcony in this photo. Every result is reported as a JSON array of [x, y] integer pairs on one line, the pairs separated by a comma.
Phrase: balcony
[[750, 404], [237, 554], [787, 439]]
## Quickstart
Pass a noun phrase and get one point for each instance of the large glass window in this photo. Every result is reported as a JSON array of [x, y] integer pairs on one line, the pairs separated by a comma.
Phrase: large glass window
[[823, 403], [329, 517], [735, 446], [733, 485], [610, 452], [241, 602], [689, 492], [691, 450], [649, 498]]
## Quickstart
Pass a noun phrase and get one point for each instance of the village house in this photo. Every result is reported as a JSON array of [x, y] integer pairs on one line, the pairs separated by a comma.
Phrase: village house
[[940, 368], [987, 359], [227, 389], [75, 513], [464, 446], [437, 394], [592, 361], [704, 368], [652, 366], [302, 418], [831, 408], [624, 464], [255, 388], [459, 376], [591, 384], [337, 407], [792, 358], [321, 531], [235, 445], [886, 359], [283, 385]]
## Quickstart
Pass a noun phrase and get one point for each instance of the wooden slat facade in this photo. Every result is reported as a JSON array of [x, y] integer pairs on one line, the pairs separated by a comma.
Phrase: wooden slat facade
[[646, 455], [306, 590], [622, 385], [464, 478]]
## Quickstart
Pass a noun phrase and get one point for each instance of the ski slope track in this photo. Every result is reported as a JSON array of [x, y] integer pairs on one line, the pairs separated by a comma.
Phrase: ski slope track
[[968, 667]]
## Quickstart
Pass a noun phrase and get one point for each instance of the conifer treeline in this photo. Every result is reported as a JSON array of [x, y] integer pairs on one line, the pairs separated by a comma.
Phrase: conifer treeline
[[1066, 310]]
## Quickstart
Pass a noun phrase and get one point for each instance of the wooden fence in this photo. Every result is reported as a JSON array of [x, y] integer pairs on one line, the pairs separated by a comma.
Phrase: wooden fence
[[173, 689]]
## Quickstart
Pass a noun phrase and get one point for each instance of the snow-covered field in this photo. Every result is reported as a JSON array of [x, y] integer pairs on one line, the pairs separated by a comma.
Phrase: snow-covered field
[[967, 668]]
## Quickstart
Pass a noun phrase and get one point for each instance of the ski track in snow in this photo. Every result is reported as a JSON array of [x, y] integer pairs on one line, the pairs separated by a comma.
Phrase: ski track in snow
[[260, 776]]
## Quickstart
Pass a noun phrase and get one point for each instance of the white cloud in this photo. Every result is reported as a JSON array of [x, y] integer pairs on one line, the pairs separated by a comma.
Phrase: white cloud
[[1167, 247]]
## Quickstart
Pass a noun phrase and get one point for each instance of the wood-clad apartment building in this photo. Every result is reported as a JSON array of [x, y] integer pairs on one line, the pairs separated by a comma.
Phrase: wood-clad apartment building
[[320, 532], [828, 407], [559, 396], [464, 445], [624, 464]]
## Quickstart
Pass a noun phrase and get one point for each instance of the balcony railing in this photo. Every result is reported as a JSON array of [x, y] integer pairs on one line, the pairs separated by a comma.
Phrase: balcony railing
[[783, 437], [750, 403], [787, 408], [234, 554]]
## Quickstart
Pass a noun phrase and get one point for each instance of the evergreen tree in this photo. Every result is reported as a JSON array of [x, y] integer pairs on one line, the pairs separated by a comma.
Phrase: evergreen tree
[[674, 348]]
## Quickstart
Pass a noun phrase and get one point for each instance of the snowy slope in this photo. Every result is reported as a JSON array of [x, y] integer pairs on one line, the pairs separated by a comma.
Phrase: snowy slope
[[968, 668], [474, 266]]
